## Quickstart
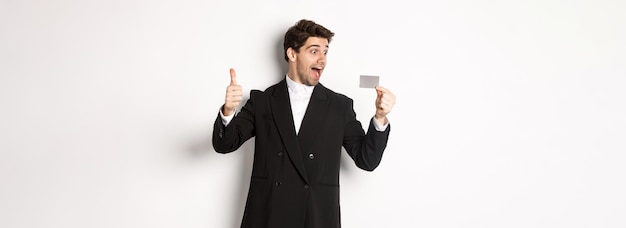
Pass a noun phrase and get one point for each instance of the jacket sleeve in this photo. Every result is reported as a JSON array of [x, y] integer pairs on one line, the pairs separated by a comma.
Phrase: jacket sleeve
[[366, 149], [229, 138]]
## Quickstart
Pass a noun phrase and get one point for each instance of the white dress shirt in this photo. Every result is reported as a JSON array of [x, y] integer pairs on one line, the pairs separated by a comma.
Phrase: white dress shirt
[[299, 97]]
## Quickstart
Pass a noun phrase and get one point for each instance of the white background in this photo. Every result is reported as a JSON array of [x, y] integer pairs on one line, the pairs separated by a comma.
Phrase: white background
[[508, 114]]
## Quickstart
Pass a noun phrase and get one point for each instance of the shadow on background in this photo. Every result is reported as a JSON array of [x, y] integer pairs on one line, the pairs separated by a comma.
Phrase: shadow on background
[[204, 147]]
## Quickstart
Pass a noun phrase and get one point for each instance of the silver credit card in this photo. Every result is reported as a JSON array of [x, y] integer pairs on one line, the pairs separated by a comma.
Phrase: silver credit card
[[368, 81]]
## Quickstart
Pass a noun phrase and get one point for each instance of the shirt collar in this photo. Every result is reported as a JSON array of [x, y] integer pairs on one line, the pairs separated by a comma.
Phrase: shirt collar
[[298, 88]]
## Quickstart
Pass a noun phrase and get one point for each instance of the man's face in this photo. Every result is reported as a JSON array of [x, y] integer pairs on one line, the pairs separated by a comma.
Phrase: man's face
[[310, 61]]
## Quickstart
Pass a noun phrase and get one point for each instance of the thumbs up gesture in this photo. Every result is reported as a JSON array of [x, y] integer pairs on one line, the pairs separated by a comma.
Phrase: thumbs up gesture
[[234, 95]]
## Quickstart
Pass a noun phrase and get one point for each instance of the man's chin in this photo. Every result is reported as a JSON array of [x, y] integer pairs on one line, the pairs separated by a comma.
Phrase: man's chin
[[312, 83]]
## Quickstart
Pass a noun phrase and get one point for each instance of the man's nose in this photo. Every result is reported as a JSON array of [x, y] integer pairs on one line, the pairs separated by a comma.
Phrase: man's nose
[[321, 58]]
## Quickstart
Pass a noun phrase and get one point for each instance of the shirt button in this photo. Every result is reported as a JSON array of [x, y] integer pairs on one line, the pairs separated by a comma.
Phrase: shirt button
[[277, 183], [306, 186], [311, 156]]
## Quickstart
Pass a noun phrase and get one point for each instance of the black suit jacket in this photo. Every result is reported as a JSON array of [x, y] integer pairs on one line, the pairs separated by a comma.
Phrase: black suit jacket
[[295, 178]]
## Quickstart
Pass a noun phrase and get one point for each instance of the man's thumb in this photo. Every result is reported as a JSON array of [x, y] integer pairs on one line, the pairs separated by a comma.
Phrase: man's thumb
[[233, 77]]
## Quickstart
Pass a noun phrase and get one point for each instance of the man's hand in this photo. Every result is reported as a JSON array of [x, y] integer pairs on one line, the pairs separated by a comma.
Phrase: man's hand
[[384, 103], [234, 95]]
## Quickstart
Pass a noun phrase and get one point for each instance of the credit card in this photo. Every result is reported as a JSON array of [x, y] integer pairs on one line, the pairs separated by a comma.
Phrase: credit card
[[368, 81]]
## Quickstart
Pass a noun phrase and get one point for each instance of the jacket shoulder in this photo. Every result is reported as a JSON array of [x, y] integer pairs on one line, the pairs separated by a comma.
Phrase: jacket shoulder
[[268, 91], [335, 95], [255, 93]]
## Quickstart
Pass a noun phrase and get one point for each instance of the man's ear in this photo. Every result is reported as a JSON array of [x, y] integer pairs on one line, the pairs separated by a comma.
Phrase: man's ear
[[291, 54]]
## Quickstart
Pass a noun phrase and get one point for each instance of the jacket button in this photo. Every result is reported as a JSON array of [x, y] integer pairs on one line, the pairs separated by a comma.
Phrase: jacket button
[[277, 183], [306, 186], [280, 154], [311, 156]]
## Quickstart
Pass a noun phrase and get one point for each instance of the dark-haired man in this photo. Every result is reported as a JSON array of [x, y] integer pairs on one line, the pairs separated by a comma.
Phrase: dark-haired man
[[300, 127]]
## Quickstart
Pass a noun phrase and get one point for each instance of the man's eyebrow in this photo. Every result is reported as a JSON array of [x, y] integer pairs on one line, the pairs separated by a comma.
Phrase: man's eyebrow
[[315, 45]]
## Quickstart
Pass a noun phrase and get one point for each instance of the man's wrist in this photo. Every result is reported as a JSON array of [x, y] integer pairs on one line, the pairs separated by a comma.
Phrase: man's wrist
[[380, 125], [227, 112], [382, 120], [226, 118]]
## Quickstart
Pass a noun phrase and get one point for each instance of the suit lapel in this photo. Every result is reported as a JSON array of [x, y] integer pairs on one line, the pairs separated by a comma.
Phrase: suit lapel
[[281, 110], [315, 114]]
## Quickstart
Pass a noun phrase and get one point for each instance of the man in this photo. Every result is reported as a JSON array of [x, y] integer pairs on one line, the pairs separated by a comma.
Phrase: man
[[300, 127]]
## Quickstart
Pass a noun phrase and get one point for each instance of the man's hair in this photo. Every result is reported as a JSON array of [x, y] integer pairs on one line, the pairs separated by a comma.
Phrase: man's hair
[[297, 35]]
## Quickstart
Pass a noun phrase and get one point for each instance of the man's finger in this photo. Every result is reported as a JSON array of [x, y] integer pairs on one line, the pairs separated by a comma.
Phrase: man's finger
[[381, 89], [233, 77]]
